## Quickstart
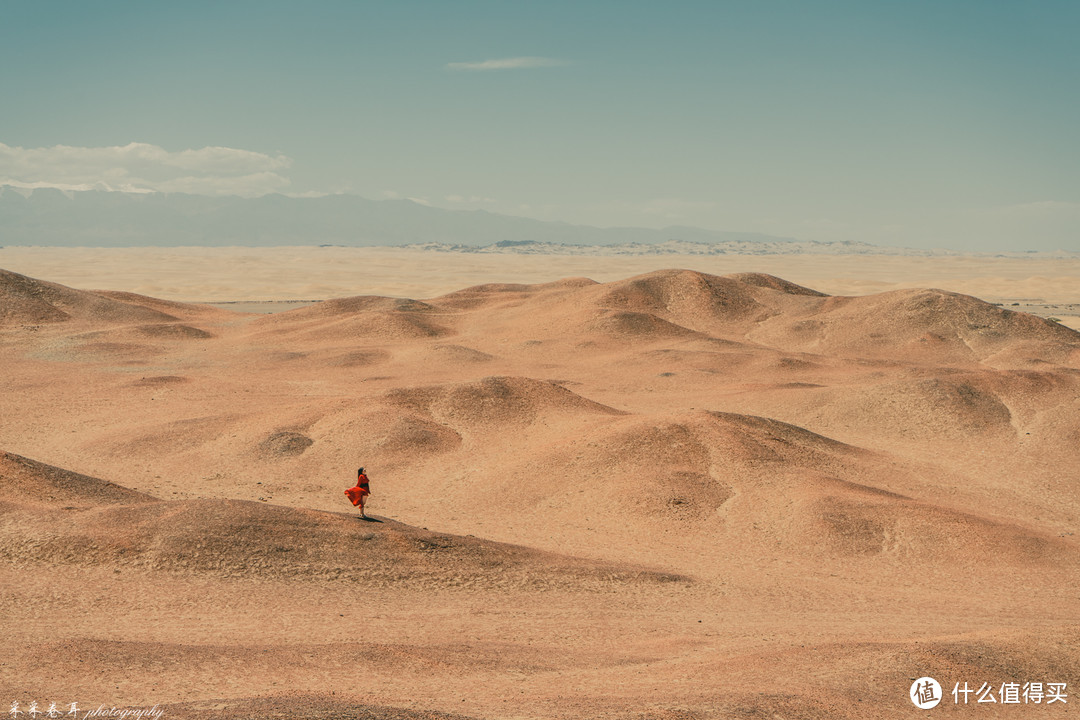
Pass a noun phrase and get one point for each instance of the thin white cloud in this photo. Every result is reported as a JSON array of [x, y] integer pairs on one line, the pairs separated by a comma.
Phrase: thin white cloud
[[226, 161], [313, 194], [141, 167], [516, 63], [69, 187], [472, 199]]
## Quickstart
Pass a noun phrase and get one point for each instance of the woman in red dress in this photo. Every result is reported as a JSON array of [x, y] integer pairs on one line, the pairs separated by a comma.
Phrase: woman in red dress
[[361, 491]]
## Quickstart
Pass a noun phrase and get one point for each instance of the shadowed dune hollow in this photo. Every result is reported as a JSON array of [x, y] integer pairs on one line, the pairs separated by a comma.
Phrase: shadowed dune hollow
[[676, 495]]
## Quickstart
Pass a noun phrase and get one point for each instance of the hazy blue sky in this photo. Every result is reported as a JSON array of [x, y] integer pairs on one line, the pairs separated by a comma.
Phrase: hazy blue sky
[[917, 123]]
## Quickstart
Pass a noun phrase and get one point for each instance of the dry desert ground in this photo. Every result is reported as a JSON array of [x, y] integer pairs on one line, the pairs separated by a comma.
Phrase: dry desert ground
[[663, 495]]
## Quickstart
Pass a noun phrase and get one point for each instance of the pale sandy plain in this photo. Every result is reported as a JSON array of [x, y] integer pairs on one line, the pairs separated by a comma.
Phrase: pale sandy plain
[[652, 494]]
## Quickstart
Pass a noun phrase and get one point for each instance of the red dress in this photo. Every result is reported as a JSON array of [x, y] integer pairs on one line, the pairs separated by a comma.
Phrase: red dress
[[358, 493]]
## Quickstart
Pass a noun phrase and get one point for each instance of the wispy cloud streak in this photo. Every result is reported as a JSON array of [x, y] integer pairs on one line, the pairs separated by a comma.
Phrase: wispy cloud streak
[[516, 63], [141, 167]]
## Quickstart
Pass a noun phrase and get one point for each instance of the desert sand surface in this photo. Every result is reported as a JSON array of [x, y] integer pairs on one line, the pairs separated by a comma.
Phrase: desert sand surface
[[614, 492], [229, 274]]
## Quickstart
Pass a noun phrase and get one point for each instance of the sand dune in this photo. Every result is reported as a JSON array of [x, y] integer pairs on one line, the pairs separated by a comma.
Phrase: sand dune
[[672, 495], [910, 324], [495, 295], [764, 310], [23, 480], [141, 334], [452, 354], [682, 294], [495, 401], [386, 326], [238, 538], [865, 524], [930, 408], [772, 282], [173, 331], [664, 303], [350, 306], [183, 310], [360, 358], [638, 326], [25, 301]]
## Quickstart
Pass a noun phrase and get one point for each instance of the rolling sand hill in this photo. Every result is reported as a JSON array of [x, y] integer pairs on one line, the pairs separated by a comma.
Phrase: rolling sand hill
[[25, 301], [671, 496]]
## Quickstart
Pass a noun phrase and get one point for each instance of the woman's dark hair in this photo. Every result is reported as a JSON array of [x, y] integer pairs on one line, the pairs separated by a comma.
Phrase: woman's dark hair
[[360, 471]]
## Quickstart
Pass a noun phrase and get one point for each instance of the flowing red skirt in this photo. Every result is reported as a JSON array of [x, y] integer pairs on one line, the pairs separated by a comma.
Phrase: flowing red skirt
[[356, 494]]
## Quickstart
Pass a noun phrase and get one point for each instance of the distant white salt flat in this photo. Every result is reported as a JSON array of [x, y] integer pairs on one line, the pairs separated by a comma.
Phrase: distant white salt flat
[[264, 307]]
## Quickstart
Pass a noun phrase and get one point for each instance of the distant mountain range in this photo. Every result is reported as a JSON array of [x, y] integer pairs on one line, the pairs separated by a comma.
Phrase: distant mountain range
[[762, 246], [98, 218]]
